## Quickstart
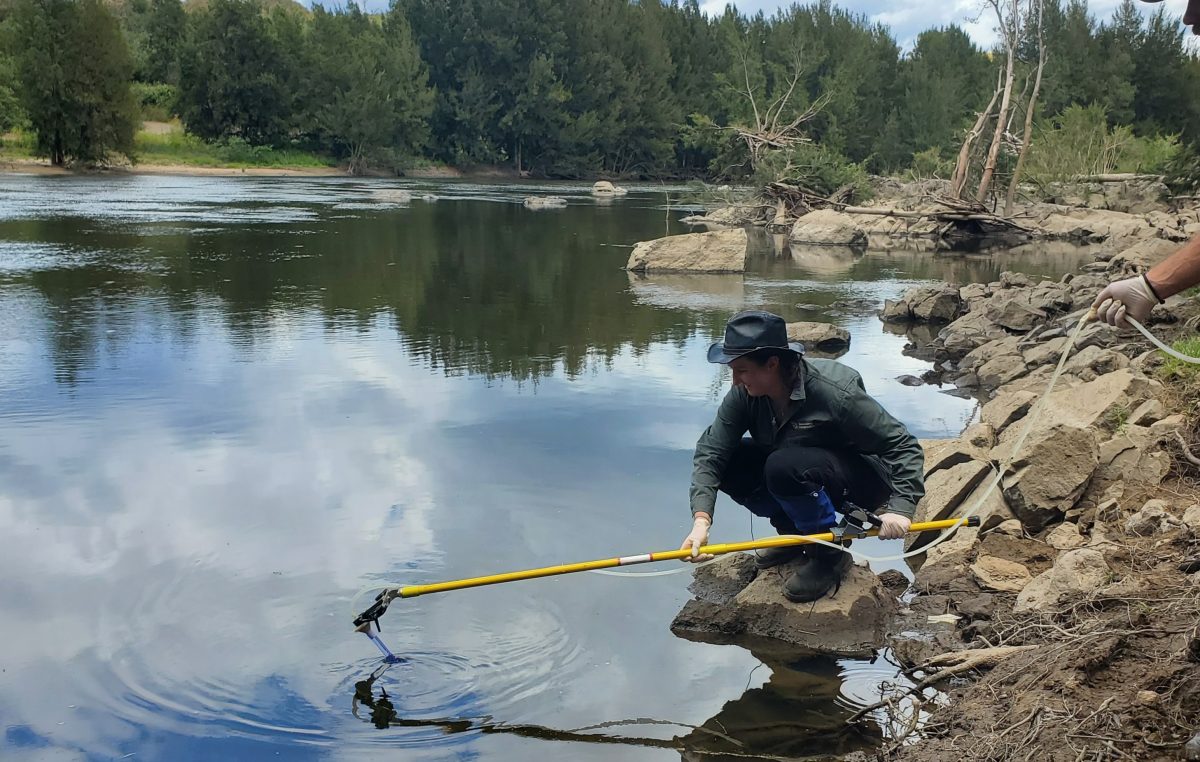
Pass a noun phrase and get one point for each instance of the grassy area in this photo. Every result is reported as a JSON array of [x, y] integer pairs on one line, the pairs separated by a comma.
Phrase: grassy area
[[176, 147], [1174, 369], [16, 145], [181, 148]]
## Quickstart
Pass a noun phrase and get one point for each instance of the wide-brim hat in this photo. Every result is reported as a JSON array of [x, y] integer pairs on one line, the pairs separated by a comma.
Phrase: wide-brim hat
[[751, 331]]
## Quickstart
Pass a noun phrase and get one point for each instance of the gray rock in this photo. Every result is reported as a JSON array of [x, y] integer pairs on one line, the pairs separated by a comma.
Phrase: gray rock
[[824, 336], [1149, 412], [849, 623], [1006, 408], [896, 312], [828, 227], [1075, 573], [969, 332], [1191, 518], [1049, 475], [1065, 536], [1014, 312], [1001, 370], [935, 306], [1151, 519], [994, 573], [719, 251]]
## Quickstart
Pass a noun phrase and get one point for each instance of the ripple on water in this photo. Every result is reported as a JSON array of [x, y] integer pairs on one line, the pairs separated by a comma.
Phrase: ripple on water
[[151, 666]]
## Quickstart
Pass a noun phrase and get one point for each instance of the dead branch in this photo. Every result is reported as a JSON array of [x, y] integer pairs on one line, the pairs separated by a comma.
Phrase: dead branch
[[962, 165], [953, 663]]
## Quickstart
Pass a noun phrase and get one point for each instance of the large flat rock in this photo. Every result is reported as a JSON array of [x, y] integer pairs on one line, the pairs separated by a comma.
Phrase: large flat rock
[[852, 622], [721, 251]]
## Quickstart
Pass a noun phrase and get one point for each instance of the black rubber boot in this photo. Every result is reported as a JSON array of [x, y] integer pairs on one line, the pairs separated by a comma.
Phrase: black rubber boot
[[769, 557], [824, 572]]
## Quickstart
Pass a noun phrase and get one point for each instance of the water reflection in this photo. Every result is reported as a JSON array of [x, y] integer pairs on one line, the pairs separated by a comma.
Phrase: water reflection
[[802, 706], [227, 405]]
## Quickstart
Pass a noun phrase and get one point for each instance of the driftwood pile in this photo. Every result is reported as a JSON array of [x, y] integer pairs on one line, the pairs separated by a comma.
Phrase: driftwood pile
[[956, 218]]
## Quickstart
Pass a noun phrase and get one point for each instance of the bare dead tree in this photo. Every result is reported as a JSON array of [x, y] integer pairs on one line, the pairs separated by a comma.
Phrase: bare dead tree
[[769, 130], [1029, 109], [962, 167], [1010, 30]]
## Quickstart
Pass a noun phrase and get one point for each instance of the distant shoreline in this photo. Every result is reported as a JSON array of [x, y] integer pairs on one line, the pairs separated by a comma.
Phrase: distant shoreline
[[25, 166]]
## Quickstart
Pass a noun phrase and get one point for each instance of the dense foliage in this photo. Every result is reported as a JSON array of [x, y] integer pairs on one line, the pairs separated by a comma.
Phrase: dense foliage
[[578, 87]]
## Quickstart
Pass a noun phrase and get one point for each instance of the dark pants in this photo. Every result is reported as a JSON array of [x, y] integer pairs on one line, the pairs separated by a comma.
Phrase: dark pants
[[799, 488]]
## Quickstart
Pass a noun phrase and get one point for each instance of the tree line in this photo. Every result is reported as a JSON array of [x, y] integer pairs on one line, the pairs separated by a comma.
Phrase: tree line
[[571, 88]]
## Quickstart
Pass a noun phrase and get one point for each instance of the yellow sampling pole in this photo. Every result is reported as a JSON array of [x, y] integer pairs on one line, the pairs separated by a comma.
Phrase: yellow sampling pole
[[363, 621]]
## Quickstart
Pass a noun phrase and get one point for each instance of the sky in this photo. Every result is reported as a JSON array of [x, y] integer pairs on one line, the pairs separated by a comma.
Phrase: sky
[[908, 18]]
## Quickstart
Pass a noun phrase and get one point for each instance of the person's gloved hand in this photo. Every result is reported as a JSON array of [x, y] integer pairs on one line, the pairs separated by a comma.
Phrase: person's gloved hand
[[697, 539], [894, 526], [1130, 297]]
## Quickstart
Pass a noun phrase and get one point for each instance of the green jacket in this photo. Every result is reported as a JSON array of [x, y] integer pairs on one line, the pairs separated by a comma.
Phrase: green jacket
[[830, 408]]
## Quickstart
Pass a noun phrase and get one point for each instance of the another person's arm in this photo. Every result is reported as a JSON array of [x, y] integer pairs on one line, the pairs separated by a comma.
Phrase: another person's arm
[[1135, 297], [712, 453]]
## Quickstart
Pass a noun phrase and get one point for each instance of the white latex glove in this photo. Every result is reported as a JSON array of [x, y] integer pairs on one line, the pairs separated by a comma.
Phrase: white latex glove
[[1130, 297], [894, 526], [697, 539]]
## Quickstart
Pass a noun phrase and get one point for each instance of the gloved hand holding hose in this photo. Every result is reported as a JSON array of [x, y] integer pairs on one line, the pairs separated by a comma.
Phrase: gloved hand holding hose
[[1133, 297]]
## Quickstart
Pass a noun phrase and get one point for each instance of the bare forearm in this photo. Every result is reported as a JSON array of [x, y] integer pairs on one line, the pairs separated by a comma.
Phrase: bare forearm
[[1178, 272]]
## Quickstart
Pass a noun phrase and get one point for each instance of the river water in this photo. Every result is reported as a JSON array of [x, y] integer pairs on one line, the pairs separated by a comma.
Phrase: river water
[[227, 405]]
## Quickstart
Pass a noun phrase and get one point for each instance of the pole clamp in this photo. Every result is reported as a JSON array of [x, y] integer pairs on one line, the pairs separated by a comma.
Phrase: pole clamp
[[854, 524]]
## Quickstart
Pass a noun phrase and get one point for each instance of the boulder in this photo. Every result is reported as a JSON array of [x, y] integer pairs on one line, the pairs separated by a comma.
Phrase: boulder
[[1191, 518], [1151, 519], [993, 573], [1065, 536], [947, 453], [1094, 225], [726, 216], [1010, 528], [828, 227], [605, 188], [1001, 347], [1085, 405], [1014, 312], [825, 336], [1149, 412], [1001, 370], [969, 332], [1047, 478], [937, 304], [1142, 255], [980, 435], [1006, 408], [1076, 573], [945, 491], [719, 251], [849, 623], [1132, 455], [1044, 352], [924, 304], [953, 552], [544, 202], [1091, 362]]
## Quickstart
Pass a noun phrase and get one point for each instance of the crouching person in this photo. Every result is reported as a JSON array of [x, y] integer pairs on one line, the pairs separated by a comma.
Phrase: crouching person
[[818, 444]]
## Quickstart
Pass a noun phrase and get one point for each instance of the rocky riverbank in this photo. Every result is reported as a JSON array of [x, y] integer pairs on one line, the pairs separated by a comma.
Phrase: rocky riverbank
[[1067, 626]]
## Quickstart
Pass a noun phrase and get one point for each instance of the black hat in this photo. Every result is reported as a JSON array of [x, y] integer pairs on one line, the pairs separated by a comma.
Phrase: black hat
[[750, 331]]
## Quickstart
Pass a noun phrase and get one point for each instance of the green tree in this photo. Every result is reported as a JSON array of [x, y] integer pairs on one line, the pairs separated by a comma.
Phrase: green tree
[[74, 71], [233, 79], [166, 30], [944, 82], [369, 86]]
